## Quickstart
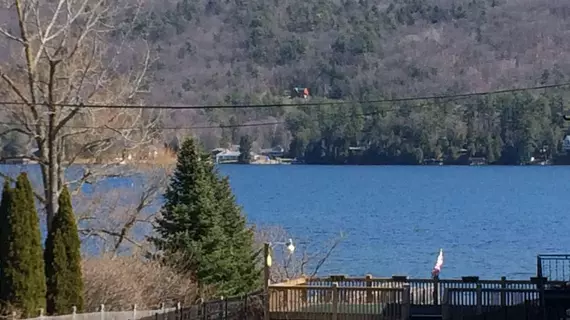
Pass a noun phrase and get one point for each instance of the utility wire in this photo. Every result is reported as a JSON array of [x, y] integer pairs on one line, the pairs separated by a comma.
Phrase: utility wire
[[436, 100], [201, 127], [308, 104], [108, 127]]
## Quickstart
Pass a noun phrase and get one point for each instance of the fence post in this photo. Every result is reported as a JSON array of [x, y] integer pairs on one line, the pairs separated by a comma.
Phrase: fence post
[[14, 315], [479, 293], [503, 291], [41, 313], [542, 301], [435, 293], [445, 305], [102, 309], [73, 312], [178, 310], [226, 308], [246, 305], [406, 301], [334, 301], [162, 307], [369, 295], [266, 277], [134, 311], [221, 311]]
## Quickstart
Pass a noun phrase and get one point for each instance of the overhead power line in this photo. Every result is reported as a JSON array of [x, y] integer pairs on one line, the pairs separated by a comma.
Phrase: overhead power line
[[221, 126], [307, 104], [198, 127], [435, 101]]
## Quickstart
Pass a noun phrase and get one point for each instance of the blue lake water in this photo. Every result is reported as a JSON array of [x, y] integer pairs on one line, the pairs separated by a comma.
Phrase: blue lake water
[[490, 221]]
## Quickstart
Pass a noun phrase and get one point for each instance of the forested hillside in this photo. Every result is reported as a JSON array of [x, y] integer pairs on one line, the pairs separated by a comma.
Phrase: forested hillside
[[255, 51]]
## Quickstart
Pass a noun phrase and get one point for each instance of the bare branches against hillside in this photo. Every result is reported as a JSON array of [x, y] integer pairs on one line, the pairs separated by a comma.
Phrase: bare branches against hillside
[[62, 53], [117, 219]]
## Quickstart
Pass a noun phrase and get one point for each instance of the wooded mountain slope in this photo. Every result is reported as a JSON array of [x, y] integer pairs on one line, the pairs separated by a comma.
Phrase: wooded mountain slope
[[251, 51], [255, 51]]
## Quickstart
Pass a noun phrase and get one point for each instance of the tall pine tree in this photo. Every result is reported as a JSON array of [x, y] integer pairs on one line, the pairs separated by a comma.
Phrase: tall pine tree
[[23, 269], [241, 237], [192, 232], [188, 231], [62, 257], [5, 205]]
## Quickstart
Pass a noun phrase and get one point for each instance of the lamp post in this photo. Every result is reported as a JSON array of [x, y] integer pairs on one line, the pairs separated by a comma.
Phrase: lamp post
[[267, 262]]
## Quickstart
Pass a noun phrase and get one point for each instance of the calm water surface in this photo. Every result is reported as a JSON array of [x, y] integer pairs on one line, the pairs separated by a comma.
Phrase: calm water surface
[[490, 221]]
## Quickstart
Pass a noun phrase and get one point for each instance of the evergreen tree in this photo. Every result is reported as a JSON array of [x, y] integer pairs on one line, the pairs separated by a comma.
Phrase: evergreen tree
[[62, 257], [189, 232], [4, 245], [202, 230], [23, 269], [241, 237], [245, 147]]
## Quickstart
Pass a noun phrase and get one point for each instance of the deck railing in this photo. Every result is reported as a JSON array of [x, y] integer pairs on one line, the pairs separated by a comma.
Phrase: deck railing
[[338, 303], [491, 304], [339, 297], [553, 266], [422, 291]]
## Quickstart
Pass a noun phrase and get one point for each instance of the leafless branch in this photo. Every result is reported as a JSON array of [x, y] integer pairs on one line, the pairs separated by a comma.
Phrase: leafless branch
[[123, 217], [287, 266], [67, 56]]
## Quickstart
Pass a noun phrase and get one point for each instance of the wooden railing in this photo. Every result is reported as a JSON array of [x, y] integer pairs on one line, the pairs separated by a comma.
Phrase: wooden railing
[[339, 297], [338, 303]]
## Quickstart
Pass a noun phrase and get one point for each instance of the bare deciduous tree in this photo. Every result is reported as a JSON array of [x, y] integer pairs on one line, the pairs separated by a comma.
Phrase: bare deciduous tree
[[119, 222], [120, 282], [307, 260], [63, 58]]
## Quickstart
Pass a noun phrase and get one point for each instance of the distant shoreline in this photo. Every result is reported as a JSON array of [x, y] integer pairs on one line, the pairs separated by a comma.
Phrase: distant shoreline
[[395, 164]]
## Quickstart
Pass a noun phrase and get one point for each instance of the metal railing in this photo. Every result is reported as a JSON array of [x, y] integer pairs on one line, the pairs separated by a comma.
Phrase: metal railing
[[424, 291], [491, 304], [555, 267], [249, 306]]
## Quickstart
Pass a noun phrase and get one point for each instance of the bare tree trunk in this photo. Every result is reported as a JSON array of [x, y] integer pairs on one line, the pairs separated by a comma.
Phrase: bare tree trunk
[[66, 56]]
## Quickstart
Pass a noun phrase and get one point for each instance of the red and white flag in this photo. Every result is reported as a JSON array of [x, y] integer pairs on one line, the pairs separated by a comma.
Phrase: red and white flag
[[438, 264]]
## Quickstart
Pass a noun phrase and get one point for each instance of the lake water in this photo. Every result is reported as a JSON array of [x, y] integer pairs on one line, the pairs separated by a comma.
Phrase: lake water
[[490, 221]]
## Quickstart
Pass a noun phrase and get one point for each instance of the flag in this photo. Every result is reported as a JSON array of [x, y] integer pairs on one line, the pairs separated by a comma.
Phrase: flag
[[438, 264]]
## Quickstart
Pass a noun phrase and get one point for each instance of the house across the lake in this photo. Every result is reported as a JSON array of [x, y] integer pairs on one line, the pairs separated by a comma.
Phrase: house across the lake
[[275, 152], [225, 156]]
